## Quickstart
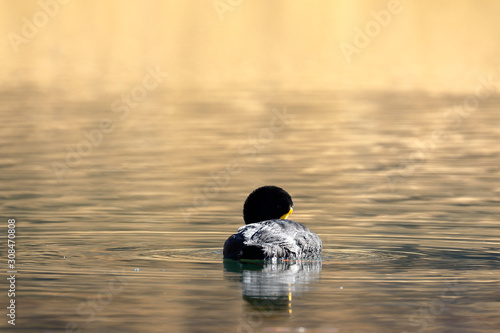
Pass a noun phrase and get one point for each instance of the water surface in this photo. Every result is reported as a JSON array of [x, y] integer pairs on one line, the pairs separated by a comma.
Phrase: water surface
[[129, 237]]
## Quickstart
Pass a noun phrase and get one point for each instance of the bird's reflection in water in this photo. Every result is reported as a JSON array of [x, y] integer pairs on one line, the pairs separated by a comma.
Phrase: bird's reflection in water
[[270, 286]]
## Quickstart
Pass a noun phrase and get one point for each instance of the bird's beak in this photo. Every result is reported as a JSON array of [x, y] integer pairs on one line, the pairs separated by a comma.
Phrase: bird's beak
[[284, 217]]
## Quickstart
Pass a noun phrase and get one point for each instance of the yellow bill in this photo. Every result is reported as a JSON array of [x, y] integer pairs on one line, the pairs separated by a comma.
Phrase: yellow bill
[[284, 217]]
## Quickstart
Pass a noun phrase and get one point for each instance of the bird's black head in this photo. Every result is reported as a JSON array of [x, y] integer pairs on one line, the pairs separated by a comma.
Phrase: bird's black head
[[267, 203]]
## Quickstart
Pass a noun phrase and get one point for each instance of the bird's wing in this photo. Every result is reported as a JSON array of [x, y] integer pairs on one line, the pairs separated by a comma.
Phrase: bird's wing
[[284, 238]]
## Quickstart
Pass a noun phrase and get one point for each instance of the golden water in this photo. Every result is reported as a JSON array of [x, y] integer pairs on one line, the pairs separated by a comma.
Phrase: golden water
[[123, 203]]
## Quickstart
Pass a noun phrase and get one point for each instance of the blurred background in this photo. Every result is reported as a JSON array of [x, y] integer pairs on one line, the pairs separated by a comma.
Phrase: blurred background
[[95, 46], [132, 132]]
